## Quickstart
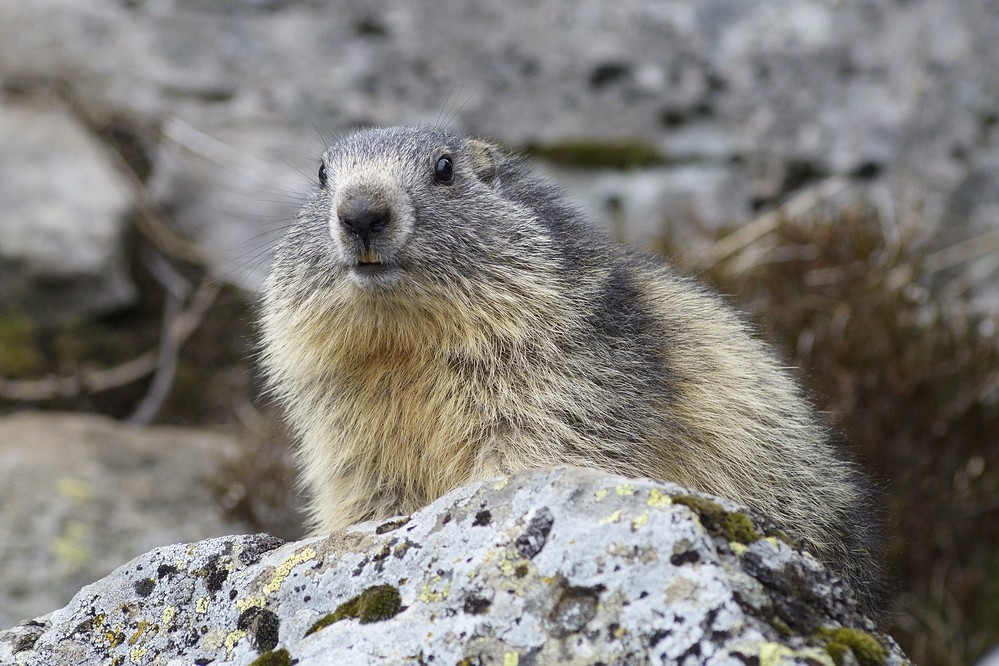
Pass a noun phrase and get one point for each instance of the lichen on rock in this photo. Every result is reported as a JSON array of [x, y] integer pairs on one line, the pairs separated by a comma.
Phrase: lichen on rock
[[524, 569]]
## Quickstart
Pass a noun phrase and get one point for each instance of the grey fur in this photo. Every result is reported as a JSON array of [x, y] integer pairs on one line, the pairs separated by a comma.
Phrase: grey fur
[[501, 332]]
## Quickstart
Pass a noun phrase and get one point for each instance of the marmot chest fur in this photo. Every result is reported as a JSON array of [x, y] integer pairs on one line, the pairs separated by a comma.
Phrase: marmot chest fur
[[439, 315]]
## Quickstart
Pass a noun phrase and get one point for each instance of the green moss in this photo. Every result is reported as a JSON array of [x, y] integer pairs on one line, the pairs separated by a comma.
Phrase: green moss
[[731, 525], [273, 658], [866, 649], [20, 355], [623, 154], [375, 604]]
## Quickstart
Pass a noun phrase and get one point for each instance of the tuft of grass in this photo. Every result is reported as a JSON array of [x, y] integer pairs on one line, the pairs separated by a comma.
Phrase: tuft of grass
[[912, 383]]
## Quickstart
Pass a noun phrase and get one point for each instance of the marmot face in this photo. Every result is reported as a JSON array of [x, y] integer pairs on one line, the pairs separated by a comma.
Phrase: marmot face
[[412, 210]]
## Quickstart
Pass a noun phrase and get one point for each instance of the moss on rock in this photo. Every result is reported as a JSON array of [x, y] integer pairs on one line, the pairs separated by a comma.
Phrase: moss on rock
[[865, 647], [273, 658], [374, 604], [731, 525]]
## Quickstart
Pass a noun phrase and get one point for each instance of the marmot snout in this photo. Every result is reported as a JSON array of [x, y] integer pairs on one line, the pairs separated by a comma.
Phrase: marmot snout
[[438, 315]]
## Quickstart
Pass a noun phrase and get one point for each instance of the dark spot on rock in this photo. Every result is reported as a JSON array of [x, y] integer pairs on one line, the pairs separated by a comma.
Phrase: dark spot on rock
[[276, 658], [672, 118], [215, 575], [359, 569], [262, 625], [792, 590], [391, 525], [685, 557], [798, 173], [704, 110], [30, 632], [658, 635], [608, 73], [535, 536], [867, 170], [482, 518], [232, 594], [715, 82], [256, 548], [520, 571], [144, 587], [166, 570], [693, 651], [371, 27], [575, 607], [401, 550], [748, 660], [476, 605], [84, 627]]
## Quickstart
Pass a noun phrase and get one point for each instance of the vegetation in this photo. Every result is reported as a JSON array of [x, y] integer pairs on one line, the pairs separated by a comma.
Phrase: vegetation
[[912, 383]]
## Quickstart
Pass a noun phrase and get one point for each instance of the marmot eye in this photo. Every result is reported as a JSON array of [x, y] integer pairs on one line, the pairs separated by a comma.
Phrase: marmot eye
[[444, 170], [322, 174]]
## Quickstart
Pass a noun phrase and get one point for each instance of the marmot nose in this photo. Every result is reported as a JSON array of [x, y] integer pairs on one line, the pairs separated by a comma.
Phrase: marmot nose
[[364, 216]]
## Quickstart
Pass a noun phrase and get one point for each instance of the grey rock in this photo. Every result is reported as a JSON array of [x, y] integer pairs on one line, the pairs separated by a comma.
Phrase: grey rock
[[749, 101], [551, 566], [62, 217], [81, 494]]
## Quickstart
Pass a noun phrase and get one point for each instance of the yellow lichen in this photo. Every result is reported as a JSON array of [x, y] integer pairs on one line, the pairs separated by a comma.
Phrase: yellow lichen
[[658, 499], [272, 586], [141, 629], [69, 548], [625, 489], [775, 654], [600, 494], [612, 518], [640, 521], [75, 490], [231, 639]]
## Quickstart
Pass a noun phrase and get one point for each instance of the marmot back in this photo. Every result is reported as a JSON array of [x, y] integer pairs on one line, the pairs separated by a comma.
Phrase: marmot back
[[439, 315]]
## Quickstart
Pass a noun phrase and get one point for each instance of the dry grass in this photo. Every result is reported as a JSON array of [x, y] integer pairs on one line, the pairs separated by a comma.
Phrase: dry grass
[[912, 382]]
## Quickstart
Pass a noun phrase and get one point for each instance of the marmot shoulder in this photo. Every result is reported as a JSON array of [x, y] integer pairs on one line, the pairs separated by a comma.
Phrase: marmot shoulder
[[438, 314]]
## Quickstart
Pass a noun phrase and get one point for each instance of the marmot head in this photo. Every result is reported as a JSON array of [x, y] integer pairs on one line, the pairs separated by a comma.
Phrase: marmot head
[[416, 208]]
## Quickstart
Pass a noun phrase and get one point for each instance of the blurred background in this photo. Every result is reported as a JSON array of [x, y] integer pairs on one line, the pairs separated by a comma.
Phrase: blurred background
[[831, 166]]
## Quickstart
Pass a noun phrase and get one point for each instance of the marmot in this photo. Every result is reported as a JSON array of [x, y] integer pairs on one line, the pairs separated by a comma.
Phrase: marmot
[[438, 314]]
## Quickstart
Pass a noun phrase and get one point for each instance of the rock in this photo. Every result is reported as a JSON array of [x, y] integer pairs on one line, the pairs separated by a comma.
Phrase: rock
[[757, 99], [80, 494], [563, 565], [62, 218]]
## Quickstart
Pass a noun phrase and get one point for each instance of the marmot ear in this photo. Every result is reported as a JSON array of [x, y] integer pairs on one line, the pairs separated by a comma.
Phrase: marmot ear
[[485, 160]]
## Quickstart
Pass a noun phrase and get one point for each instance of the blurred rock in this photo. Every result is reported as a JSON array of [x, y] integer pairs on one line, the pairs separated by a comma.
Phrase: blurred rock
[[62, 218], [547, 566], [762, 99], [80, 495]]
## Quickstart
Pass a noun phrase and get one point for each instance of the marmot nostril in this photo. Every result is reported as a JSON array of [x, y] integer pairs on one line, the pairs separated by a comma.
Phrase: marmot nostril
[[364, 216]]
